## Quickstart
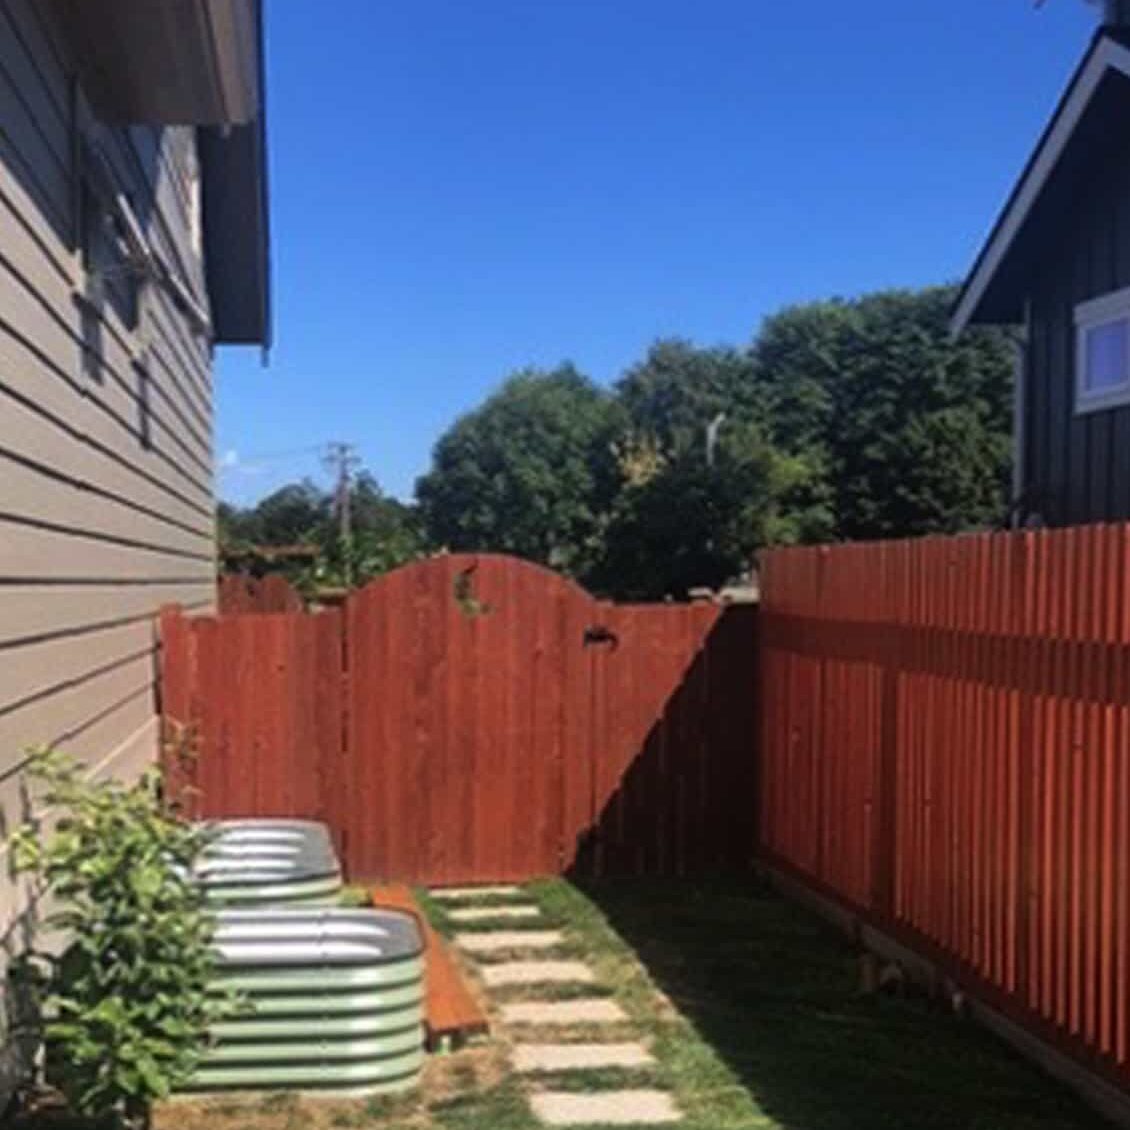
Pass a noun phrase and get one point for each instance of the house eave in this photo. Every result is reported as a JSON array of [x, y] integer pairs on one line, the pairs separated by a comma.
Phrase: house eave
[[193, 63], [173, 62], [992, 293]]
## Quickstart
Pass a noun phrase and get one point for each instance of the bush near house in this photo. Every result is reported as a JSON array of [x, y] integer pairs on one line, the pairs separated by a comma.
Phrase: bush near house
[[125, 1007]]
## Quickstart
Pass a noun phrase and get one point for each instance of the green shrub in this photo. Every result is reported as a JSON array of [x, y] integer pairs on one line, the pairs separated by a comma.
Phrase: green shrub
[[125, 1006]]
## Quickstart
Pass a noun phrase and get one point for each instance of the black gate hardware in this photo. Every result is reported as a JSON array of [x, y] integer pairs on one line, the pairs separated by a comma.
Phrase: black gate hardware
[[598, 633]]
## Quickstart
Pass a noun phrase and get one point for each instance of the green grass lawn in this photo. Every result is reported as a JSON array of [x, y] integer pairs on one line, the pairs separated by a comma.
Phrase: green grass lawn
[[752, 1009], [767, 1026]]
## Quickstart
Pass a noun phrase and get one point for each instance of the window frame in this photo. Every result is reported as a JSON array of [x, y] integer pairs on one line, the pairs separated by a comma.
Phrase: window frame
[[1104, 310]]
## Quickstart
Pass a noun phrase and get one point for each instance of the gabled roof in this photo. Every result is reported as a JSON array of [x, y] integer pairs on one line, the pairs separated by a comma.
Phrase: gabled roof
[[1091, 114]]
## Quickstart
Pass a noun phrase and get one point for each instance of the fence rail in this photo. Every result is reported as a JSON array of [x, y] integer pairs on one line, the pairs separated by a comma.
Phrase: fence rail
[[944, 748]]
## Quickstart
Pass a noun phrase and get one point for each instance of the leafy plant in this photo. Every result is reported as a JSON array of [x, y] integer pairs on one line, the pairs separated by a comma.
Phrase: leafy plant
[[125, 1007]]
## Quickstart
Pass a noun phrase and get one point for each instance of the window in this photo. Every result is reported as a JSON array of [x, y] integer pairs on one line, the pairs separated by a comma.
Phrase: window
[[111, 278], [1102, 357]]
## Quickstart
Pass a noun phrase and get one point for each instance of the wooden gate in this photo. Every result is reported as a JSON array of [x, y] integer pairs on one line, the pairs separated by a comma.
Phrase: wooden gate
[[469, 689], [491, 721]]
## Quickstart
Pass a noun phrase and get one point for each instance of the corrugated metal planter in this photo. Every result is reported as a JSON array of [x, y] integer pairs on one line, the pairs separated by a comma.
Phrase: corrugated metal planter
[[336, 1001], [267, 862]]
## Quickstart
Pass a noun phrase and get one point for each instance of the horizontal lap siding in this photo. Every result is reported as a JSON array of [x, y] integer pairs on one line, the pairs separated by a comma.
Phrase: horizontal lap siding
[[106, 483]]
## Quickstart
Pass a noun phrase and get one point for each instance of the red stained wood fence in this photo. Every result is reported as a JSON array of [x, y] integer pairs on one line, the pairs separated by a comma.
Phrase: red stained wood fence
[[473, 718], [944, 749], [241, 592]]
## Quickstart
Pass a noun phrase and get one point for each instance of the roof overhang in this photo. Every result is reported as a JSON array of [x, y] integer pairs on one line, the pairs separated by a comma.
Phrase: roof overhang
[[193, 63], [1090, 117], [236, 233], [167, 62]]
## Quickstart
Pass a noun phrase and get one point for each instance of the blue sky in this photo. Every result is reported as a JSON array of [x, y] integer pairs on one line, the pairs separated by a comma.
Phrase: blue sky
[[460, 189]]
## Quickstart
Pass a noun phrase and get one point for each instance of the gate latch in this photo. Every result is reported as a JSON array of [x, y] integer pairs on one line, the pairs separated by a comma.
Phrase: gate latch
[[599, 633]]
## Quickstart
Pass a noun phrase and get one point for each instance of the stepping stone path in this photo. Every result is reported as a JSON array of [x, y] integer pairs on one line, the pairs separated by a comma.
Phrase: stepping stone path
[[537, 973], [561, 1013], [499, 941], [525, 963], [606, 1108], [462, 894], [530, 1058], [486, 913]]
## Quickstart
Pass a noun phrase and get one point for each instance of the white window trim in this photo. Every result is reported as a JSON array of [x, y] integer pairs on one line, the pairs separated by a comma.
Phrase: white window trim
[[1096, 312]]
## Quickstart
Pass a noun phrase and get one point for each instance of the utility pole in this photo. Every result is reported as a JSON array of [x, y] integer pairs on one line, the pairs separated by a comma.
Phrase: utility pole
[[712, 430], [341, 459]]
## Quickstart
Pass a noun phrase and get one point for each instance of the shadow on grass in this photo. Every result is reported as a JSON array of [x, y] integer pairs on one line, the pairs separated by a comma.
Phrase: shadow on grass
[[774, 991]]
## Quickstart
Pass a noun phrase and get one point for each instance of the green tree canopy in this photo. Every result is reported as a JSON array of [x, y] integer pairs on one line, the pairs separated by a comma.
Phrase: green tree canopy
[[287, 516], [530, 472], [680, 521], [908, 428], [385, 532], [702, 485], [844, 419], [679, 389]]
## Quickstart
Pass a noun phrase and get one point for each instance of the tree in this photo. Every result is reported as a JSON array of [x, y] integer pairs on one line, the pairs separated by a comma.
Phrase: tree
[[530, 472], [385, 532], [906, 429], [691, 522], [290, 515], [676, 392], [702, 485]]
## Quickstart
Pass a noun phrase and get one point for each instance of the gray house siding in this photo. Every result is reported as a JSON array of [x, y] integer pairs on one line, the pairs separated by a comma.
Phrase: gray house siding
[[1076, 468], [106, 468]]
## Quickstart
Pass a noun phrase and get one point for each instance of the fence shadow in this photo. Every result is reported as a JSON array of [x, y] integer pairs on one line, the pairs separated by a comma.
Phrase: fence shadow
[[686, 803], [775, 992]]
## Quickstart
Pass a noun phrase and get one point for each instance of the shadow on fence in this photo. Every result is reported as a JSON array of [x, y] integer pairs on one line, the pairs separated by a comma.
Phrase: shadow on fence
[[685, 801]]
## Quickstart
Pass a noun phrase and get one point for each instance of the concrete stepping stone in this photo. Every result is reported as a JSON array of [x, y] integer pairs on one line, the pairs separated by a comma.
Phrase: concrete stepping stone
[[605, 1108], [531, 1058], [537, 973], [462, 894], [497, 941], [594, 1010], [483, 913]]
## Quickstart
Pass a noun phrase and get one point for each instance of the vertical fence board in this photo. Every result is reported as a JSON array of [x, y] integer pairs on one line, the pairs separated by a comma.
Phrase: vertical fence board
[[988, 679]]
